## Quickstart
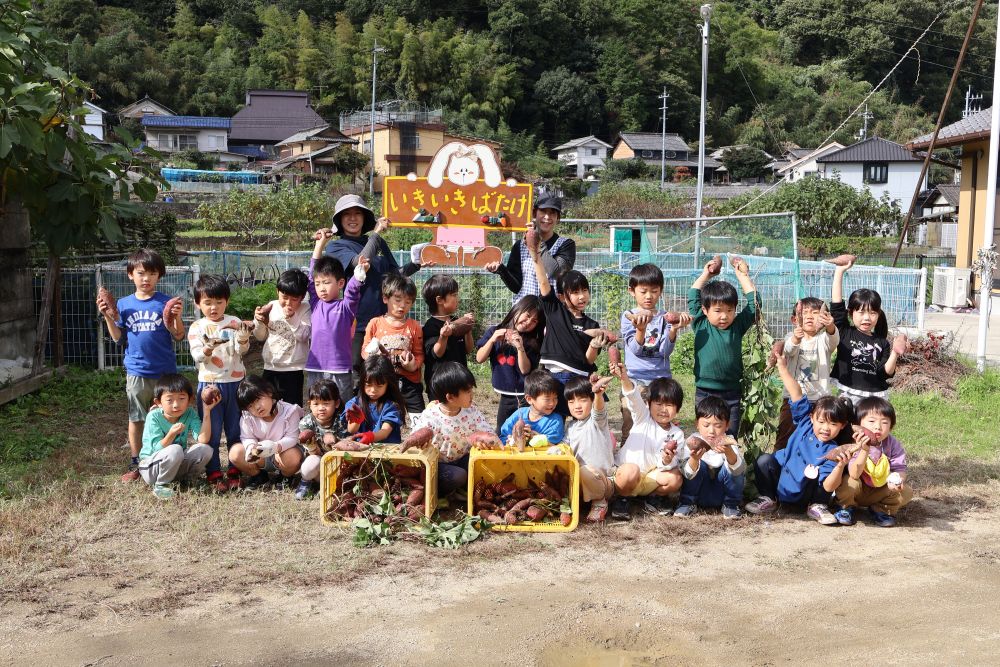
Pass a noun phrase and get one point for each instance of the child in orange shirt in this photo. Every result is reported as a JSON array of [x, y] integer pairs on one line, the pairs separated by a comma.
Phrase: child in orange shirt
[[399, 338]]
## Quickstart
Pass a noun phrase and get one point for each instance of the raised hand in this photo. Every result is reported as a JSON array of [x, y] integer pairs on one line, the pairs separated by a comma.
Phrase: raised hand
[[323, 234], [262, 314], [900, 344], [714, 266], [381, 225], [739, 265], [492, 267]]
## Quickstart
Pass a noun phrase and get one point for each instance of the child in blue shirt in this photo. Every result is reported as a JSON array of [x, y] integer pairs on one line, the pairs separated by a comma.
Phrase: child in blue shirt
[[541, 391], [800, 473], [382, 402], [150, 322]]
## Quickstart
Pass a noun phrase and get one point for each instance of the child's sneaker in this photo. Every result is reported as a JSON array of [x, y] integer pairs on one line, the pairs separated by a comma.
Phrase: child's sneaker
[[216, 481], [258, 480], [845, 516], [304, 490], [763, 505], [233, 481], [132, 474], [621, 509], [883, 520], [598, 511], [651, 504], [731, 512], [821, 513], [686, 511], [163, 492]]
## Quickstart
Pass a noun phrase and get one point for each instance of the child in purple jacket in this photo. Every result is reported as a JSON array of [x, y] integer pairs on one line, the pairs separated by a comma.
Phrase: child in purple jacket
[[333, 316]]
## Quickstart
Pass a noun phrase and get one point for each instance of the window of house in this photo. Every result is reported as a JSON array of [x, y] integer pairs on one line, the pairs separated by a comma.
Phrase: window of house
[[876, 172], [647, 154], [187, 142], [366, 146], [411, 142], [164, 142], [217, 141], [593, 151]]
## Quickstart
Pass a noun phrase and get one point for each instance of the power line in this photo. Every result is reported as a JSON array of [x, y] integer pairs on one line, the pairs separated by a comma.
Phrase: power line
[[817, 14]]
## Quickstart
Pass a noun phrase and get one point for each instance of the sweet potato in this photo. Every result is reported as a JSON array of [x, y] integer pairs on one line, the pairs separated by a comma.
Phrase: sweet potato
[[485, 505], [495, 519], [714, 266], [407, 472], [512, 517], [672, 318], [536, 513], [835, 453], [477, 492], [210, 393], [565, 518], [306, 436], [172, 310], [484, 515], [484, 440], [614, 355], [414, 514], [416, 498], [873, 438], [843, 260], [419, 438], [900, 344]]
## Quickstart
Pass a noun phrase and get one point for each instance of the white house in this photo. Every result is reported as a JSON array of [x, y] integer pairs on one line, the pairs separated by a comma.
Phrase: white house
[[208, 134], [147, 106], [93, 122], [881, 165], [806, 166], [583, 154]]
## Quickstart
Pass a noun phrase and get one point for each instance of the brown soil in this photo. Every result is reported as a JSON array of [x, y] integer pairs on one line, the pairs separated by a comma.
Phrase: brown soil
[[95, 573]]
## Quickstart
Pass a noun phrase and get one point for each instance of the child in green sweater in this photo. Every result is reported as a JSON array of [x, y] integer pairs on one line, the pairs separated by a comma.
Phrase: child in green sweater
[[718, 334]]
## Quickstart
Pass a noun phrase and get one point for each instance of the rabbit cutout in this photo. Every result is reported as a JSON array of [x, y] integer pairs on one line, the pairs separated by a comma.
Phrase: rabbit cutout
[[462, 165]]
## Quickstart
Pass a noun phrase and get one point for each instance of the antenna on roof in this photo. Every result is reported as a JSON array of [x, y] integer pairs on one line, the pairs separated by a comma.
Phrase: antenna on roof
[[971, 105]]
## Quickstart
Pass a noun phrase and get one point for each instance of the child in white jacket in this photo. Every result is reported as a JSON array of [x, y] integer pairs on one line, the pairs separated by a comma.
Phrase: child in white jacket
[[269, 433], [714, 472], [589, 436], [649, 461]]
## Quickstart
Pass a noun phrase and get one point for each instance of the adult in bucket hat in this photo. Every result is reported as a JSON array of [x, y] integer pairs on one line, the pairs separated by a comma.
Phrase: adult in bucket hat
[[558, 253], [358, 232]]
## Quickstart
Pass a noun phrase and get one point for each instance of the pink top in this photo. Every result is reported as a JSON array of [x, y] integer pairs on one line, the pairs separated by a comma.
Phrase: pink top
[[283, 430]]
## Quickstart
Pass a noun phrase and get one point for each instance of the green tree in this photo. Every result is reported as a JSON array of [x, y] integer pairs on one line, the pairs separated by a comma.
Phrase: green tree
[[744, 162]]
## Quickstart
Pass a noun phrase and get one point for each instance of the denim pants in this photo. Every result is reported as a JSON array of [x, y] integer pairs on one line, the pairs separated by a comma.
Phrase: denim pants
[[453, 476], [732, 399], [769, 471], [706, 490], [225, 418]]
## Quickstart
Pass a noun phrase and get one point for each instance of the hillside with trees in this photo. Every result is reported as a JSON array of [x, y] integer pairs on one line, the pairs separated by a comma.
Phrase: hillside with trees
[[535, 73]]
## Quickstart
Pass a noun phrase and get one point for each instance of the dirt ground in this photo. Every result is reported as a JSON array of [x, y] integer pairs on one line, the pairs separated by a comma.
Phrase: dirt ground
[[92, 573]]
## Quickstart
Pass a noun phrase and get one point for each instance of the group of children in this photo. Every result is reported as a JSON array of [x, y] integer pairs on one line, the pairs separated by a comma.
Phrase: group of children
[[833, 453]]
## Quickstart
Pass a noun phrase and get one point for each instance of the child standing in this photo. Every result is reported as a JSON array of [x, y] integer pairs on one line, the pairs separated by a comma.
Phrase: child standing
[[332, 316], [513, 348], [541, 391], [379, 398], [649, 461], [396, 335], [865, 358], [453, 420], [446, 336], [715, 472], [589, 436], [218, 343], [319, 431], [808, 349], [877, 474], [800, 473], [567, 350], [151, 322], [718, 335], [166, 455], [647, 335], [285, 325], [269, 431]]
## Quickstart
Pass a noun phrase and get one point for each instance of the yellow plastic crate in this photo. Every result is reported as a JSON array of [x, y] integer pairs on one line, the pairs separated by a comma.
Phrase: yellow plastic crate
[[330, 470], [492, 465]]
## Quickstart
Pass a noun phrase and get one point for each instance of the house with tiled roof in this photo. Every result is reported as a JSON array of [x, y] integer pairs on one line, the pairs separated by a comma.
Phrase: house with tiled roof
[[208, 134], [806, 166], [271, 116], [311, 150], [882, 166], [581, 155], [648, 146]]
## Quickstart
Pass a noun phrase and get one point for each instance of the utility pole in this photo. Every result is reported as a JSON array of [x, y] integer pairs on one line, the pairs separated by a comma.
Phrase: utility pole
[[865, 117], [376, 49], [706, 14], [663, 138]]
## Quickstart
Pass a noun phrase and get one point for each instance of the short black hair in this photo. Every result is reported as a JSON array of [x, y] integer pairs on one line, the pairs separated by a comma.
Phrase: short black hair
[[325, 390], [837, 409], [438, 285], [808, 303], [173, 383], [252, 388], [147, 259], [645, 274], [212, 286], [329, 266], [450, 377], [572, 281], [712, 406], [394, 283], [719, 292], [539, 382], [665, 390], [878, 405], [578, 387], [293, 282]]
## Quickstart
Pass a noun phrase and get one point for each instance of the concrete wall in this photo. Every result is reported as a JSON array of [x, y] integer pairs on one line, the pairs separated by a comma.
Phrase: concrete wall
[[17, 317]]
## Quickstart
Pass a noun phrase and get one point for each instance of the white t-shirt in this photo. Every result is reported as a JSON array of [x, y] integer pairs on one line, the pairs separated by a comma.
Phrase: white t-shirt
[[809, 362], [644, 446], [590, 440]]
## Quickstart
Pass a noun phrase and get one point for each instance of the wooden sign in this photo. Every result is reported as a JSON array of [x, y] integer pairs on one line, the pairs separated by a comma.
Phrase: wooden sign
[[463, 188]]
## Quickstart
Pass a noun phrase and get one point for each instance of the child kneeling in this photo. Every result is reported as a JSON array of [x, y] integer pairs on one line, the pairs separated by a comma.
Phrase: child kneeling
[[877, 473], [715, 472], [165, 455]]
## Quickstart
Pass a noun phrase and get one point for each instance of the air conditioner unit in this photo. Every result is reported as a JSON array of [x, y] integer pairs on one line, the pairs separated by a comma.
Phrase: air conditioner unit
[[951, 286]]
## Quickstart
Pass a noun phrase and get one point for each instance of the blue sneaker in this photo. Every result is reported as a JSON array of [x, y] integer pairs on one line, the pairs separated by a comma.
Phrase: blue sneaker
[[731, 512], [883, 520], [845, 516], [685, 511], [304, 490]]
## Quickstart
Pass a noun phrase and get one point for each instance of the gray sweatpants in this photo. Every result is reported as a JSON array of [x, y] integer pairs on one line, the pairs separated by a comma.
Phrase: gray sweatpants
[[172, 463]]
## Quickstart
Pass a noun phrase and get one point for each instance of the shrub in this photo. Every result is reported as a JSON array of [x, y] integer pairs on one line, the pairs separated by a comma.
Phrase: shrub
[[260, 219], [245, 299], [631, 200]]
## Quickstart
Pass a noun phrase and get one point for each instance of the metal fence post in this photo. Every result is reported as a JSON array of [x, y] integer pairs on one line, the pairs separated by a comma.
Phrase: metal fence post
[[99, 280], [921, 298]]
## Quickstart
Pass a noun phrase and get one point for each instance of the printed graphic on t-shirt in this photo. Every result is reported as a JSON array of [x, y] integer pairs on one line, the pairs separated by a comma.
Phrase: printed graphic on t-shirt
[[649, 346], [281, 337], [144, 320], [864, 356], [808, 365]]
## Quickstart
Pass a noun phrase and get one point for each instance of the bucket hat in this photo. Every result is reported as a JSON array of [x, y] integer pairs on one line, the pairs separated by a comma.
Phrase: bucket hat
[[352, 201], [549, 201]]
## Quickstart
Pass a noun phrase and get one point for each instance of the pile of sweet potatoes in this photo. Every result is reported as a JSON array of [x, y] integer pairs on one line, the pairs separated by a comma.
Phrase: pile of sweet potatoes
[[363, 484], [505, 503]]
